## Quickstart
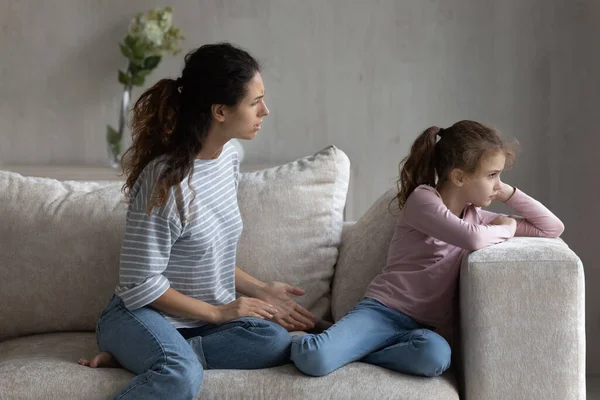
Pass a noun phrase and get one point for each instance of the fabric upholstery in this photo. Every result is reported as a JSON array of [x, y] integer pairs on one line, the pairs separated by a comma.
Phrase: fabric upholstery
[[45, 367], [363, 253], [293, 217], [523, 321]]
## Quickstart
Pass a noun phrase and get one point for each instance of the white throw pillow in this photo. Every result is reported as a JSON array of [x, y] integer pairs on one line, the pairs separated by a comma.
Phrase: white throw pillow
[[293, 218], [363, 253]]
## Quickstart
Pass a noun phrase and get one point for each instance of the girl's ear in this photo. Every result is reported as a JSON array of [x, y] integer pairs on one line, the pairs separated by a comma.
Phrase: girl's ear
[[458, 177]]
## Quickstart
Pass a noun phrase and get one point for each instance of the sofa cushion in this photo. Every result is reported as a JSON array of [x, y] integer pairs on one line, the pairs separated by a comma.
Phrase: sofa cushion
[[363, 253], [59, 253], [45, 367], [293, 217], [60, 241]]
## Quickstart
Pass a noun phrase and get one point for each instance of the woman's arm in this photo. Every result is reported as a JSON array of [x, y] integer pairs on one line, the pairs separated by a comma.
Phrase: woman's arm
[[176, 303], [246, 284], [145, 254]]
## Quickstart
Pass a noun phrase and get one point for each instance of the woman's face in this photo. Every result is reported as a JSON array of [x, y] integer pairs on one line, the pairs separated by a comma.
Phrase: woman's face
[[244, 120]]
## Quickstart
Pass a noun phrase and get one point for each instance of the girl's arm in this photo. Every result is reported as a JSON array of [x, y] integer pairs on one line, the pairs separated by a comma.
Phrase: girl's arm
[[535, 219], [426, 212]]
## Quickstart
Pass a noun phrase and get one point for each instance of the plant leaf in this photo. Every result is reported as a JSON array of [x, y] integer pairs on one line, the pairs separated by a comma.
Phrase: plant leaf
[[113, 139], [143, 73], [138, 80], [124, 78], [130, 41], [126, 51], [139, 51], [151, 62], [133, 50]]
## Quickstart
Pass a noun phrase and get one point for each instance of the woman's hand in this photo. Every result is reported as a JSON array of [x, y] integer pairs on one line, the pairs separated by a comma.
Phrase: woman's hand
[[244, 307], [291, 315]]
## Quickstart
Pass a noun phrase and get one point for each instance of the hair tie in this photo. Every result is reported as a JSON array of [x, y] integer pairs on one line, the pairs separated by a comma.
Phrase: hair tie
[[179, 84]]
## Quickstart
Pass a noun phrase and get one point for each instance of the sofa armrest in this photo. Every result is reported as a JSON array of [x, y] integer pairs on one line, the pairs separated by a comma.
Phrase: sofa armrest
[[522, 321]]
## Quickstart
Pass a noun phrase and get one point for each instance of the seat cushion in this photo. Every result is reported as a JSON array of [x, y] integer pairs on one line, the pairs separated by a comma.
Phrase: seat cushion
[[45, 367]]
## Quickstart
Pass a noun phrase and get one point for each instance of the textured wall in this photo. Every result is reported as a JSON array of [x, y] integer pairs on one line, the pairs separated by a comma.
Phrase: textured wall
[[367, 76]]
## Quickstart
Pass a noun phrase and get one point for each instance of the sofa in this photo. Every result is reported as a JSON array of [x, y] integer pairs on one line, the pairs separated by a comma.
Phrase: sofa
[[521, 303]]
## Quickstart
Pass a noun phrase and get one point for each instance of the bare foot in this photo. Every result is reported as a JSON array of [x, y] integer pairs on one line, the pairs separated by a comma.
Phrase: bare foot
[[100, 360]]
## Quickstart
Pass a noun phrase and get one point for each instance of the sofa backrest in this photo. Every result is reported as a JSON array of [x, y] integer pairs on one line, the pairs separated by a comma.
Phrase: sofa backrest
[[59, 253], [60, 241], [363, 253]]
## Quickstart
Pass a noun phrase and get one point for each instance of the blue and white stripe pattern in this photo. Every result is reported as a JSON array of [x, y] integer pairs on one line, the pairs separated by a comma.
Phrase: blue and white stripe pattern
[[190, 244]]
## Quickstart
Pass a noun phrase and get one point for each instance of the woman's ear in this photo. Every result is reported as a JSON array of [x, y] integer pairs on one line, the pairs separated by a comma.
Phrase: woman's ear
[[218, 112]]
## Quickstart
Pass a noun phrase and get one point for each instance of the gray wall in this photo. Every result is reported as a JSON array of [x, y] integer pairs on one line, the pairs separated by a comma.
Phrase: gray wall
[[366, 76]]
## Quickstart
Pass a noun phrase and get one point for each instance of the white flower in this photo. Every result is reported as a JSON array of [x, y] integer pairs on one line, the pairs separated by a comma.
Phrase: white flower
[[137, 25], [153, 33], [166, 20]]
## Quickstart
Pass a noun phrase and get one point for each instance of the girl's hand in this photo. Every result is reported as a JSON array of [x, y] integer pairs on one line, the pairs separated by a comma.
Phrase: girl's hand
[[506, 192], [504, 220], [243, 307]]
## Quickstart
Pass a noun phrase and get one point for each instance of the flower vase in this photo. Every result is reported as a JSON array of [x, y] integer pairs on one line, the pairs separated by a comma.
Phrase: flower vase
[[114, 138]]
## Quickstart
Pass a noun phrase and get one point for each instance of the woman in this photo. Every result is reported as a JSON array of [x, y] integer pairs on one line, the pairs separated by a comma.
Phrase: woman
[[175, 312]]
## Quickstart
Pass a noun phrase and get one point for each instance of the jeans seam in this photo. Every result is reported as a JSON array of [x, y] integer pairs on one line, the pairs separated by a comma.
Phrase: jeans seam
[[252, 324], [399, 337], [131, 388], [217, 334], [162, 349], [201, 358]]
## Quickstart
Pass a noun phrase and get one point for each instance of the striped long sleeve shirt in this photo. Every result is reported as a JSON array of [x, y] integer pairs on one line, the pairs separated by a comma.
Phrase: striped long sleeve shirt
[[189, 243]]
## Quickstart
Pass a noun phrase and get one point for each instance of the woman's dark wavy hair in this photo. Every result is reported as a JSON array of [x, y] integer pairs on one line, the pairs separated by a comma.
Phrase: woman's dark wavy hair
[[172, 118]]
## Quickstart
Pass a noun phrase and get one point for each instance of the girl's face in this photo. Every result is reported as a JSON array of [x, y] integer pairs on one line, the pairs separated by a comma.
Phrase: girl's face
[[481, 187], [244, 120]]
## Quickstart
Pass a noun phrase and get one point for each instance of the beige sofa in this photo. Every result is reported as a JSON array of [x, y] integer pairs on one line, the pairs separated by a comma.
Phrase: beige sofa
[[521, 302]]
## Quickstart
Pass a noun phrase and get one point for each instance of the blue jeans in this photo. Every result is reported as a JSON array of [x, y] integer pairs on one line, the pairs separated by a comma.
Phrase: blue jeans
[[375, 334], [169, 363]]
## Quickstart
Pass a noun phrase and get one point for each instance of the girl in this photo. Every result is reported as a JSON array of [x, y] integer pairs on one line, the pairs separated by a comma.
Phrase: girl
[[443, 183], [175, 312]]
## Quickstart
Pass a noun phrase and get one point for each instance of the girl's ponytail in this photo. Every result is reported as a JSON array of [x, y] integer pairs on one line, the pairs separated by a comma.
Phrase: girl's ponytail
[[418, 168]]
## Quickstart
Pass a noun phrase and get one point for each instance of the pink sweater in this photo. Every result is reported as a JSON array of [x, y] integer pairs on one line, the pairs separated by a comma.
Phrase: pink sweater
[[429, 241]]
